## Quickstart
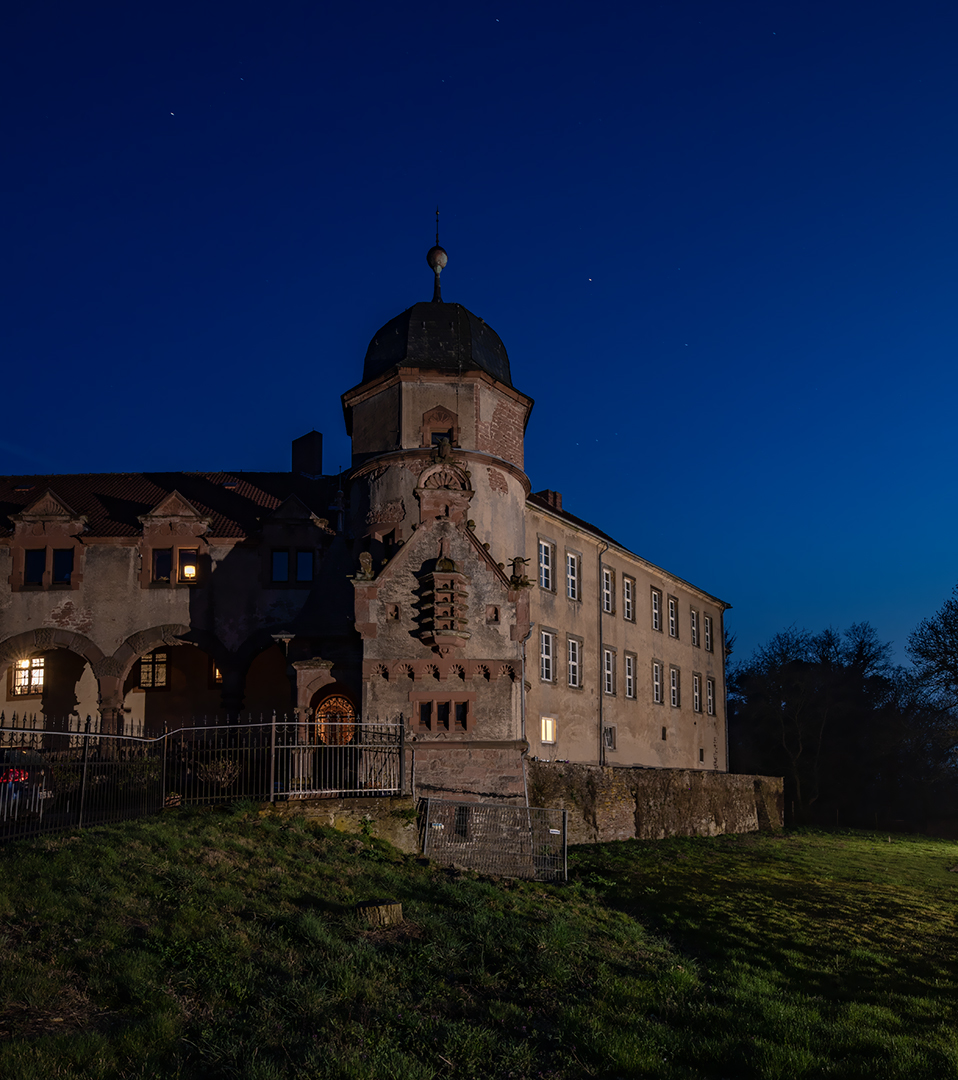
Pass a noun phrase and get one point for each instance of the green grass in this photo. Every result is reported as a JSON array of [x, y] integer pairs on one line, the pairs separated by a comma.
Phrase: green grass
[[219, 945]]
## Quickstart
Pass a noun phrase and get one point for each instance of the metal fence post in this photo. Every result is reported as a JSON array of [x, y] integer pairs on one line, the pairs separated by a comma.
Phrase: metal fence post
[[272, 759], [163, 743], [402, 759], [86, 758], [565, 845], [426, 829]]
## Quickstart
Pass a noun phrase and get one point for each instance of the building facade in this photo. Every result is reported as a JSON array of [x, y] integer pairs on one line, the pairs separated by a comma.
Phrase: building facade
[[426, 585]]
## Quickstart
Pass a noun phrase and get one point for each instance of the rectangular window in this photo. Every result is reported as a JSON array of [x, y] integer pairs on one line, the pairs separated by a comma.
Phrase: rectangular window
[[189, 565], [674, 687], [425, 715], [462, 715], [574, 655], [546, 655], [657, 683], [304, 566], [629, 675], [697, 693], [34, 564], [27, 678], [548, 729], [694, 626], [609, 736], [628, 598], [572, 575], [162, 565], [442, 715], [710, 696], [673, 617], [546, 561], [608, 671], [153, 671], [708, 633], [62, 566], [280, 566], [701, 754], [608, 591], [656, 610]]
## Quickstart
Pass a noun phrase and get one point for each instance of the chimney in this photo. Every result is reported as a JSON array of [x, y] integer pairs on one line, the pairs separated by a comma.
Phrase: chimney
[[308, 455], [553, 498]]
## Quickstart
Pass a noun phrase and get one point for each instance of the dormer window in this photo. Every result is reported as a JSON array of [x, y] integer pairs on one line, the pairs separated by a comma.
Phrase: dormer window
[[189, 565], [162, 566], [62, 566], [34, 564]]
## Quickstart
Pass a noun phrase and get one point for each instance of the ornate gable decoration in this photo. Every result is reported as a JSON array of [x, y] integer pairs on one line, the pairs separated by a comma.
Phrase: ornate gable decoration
[[49, 507], [444, 491], [175, 515]]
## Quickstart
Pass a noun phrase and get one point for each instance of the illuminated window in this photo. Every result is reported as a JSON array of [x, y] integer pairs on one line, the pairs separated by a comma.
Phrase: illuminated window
[[27, 678], [153, 671], [548, 729], [189, 565]]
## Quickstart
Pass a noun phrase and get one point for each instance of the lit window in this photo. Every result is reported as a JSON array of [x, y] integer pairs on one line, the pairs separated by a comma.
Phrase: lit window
[[656, 610], [697, 693], [673, 617], [280, 566], [153, 671], [162, 564], [608, 591], [34, 564], [189, 565], [674, 687], [657, 683], [574, 652], [27, 677], [694, 624], [546, 552], [546, 655], [708, 633], [608, 671], [548, 729], [628, 598], [304, 566], [629, 675], [710, 696], [572, 575]]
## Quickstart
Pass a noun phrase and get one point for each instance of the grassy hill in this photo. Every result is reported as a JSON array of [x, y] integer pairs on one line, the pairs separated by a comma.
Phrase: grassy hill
[[225, 944]]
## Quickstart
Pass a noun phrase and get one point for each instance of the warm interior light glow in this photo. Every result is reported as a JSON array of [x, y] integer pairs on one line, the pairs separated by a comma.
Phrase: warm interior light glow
[[189, 571]]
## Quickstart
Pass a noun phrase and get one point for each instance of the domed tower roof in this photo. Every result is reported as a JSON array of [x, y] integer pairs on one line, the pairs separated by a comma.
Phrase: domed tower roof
[[437, 337]]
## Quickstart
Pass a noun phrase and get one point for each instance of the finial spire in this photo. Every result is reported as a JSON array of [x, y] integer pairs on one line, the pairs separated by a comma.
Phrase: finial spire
[[437, 259]]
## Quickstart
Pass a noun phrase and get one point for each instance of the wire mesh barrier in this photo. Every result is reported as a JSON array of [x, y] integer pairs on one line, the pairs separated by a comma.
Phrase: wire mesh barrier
[[56, 777], [512, 841]]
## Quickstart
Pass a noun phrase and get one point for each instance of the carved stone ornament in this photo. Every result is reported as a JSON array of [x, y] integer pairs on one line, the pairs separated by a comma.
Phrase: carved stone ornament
[[43, 638], [445, 476], [109, 666], [314, 664], [366, 565]]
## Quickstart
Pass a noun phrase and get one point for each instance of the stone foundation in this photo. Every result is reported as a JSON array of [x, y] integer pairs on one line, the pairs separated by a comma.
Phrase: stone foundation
[[615, 803], [468, 771]]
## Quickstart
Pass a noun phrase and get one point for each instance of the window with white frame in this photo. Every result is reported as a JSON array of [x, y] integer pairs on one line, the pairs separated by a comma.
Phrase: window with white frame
[[608, 590], [547, 565], [708, 633], [575, 654], [697, 693], [694, 626], [546, 655], [673, 617], [628, 598], [674, 687], [548, 734], [629, 675], [657, 682], [710, 696], [656, 609], [608, 670], [608, 734], [26, 677], [573, 564]]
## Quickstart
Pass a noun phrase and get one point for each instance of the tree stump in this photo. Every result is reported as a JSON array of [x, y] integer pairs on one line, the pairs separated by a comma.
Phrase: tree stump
[[381, 912]]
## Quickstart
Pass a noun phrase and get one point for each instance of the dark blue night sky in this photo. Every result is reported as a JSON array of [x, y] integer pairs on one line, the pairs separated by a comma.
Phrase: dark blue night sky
[[719, 240]]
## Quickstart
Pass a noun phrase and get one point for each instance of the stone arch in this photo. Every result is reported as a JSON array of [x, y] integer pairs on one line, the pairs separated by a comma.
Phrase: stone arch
[[63, 676], [22, 646]]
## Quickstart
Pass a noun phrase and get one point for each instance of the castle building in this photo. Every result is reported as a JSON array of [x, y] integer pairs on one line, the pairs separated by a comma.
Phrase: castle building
[[427, 585]]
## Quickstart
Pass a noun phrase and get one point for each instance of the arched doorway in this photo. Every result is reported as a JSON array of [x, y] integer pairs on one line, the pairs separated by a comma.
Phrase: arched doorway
[[334, 721]]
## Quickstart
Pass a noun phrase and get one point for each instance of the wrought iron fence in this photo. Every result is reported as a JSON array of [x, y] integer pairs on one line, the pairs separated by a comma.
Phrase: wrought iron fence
[[514, 841], [57, 777]]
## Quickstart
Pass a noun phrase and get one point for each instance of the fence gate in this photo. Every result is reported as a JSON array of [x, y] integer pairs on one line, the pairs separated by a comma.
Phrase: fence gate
[[514, 841]]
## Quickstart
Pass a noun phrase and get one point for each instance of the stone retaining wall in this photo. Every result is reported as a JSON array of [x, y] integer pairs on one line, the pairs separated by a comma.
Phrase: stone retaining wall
[[615, 803]]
